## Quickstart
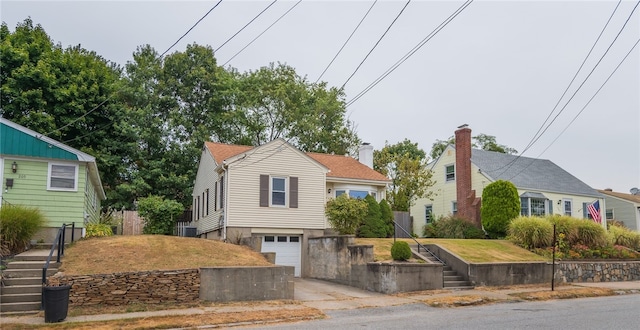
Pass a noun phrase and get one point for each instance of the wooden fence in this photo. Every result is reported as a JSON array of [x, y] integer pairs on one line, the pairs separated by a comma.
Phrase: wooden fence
[[132, 223], [402, 220]]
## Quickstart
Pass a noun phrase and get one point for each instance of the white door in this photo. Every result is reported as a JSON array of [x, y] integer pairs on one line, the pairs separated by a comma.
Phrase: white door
[[287, 249]]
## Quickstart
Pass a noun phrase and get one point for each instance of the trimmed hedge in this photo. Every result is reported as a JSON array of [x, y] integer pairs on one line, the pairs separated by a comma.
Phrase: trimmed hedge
[[400, 251]]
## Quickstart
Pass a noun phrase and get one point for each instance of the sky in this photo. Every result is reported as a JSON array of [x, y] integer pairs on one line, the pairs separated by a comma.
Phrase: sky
[[499, 66]]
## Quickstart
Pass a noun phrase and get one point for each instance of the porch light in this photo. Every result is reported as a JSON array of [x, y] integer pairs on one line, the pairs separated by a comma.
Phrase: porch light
[[14, 167]]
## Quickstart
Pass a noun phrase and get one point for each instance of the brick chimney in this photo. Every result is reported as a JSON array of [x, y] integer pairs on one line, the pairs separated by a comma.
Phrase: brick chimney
[[468, 204], [365, 154]]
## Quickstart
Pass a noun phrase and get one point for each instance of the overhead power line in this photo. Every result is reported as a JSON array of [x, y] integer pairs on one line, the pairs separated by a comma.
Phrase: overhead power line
[[376, 44], [410, 53], [261, 33], [251, 21], [345, 43], [584, 107], [506, 167], [194, 25]]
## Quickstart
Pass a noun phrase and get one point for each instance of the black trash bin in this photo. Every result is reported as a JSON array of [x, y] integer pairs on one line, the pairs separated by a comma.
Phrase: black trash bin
[[56, 303]]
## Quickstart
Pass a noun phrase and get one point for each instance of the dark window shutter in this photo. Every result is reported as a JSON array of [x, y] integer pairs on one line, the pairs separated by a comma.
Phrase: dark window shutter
[[222, 192], [264, 190], [293, 192], [215, 196]]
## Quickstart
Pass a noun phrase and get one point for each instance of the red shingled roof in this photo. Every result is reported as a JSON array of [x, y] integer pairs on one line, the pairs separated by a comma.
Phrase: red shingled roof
[[339, 166], [347, 167]]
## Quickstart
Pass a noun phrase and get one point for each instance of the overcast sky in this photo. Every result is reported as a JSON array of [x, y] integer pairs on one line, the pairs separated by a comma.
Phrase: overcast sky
[[499, 66]]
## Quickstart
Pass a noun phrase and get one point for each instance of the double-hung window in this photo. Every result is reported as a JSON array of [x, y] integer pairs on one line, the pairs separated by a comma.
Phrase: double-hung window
[[278, 191], [567, 206], [63, 177], [428, 214], [450, 173]]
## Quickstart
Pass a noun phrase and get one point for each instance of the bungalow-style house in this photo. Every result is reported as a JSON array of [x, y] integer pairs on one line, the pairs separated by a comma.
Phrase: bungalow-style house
[[623, 207], [275, 194], [461, 173], [36, 171]]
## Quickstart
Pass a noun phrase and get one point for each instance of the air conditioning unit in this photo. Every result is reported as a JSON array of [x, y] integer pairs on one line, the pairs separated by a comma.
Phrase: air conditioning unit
[[189, 232]]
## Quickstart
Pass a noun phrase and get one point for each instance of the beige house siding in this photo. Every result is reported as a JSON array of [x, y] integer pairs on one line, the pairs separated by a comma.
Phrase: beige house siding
[[626, 211], [276, 159], [205, 179]]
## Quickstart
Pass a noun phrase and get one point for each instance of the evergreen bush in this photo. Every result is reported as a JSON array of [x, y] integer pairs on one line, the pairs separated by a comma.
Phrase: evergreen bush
[[373, 225], [500, 204], [18, 224], [400, 251], [387, 217], [345, 214]]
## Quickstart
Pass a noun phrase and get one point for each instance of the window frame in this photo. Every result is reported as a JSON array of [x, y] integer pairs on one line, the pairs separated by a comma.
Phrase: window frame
[[607, 212], [75, 177], [565, 202], [449, 177], [454, 207], [285, 192], [428, 213]]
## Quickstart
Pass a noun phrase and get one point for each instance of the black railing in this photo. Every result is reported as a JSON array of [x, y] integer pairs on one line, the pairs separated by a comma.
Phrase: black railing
[[415, 240], [57, 243]]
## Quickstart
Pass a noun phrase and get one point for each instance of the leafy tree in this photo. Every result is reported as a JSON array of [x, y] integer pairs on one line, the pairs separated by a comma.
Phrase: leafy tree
[[387, 217], [500, 205], [405, 164], [159, 214], [481, 141], [345, 214], [373, 225]]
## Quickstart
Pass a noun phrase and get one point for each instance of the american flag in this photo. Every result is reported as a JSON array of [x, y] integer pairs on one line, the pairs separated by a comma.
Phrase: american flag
[[594, 211]]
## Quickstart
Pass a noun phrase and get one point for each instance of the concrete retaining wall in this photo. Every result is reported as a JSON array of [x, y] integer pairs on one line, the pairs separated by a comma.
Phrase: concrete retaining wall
[[336, 259], [224, 284], [496, 274], [597, 271]]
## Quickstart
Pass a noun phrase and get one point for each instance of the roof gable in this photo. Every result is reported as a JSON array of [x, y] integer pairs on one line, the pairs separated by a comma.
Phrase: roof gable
[[222, 151], [529, 173]]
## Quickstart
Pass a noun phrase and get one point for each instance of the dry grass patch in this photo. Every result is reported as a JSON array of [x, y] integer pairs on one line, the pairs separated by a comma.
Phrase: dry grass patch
[[458, 301], [189, 321], [564, 294], [471, 250], [117, 254]]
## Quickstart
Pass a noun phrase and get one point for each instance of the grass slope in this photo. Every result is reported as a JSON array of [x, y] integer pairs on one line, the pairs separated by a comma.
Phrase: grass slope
[[153, 252], [471, 250]]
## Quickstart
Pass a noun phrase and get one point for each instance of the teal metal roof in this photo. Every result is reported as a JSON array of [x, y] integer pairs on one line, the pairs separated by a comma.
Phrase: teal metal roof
[[18, 143]]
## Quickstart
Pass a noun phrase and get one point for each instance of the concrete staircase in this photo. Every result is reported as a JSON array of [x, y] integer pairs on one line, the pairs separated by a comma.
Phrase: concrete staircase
[[22, 289], [451, 279]]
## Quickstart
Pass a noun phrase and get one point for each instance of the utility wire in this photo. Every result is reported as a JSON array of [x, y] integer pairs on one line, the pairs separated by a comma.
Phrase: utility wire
[[194, 25], [261, 33], [345, 43], [410, 53], [376, 44], [251, 21], [581, 110], [506, 167]]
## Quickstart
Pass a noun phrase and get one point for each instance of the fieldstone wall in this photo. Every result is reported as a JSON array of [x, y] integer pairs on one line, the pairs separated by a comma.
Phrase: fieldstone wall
[[598, 271], [150, 287]]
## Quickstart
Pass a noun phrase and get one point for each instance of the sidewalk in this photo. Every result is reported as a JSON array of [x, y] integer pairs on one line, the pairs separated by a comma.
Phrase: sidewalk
[[326, 296]]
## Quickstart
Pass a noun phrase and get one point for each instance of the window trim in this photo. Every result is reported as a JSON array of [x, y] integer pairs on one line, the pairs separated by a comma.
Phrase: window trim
[[428, 216], [75, 179], [606, 214], [454, 207], [564, 206], [285, 191], [447, 174]]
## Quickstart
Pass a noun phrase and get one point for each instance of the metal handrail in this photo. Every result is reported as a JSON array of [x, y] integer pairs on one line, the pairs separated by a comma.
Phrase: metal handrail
[[59, 243], [415, 240]]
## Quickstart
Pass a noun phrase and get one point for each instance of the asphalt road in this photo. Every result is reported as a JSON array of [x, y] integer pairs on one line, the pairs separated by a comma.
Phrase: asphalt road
[[617, 312]]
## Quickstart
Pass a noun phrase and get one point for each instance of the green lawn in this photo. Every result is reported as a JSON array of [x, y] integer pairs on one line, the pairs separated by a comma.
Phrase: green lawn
[[471, 250]]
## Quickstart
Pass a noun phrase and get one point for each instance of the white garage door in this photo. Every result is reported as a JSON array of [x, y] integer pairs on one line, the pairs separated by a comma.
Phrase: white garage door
[[287, 249]]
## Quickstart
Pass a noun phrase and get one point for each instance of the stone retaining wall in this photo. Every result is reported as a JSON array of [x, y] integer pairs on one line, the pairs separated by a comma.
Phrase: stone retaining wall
[[149, 287], [598, 271]]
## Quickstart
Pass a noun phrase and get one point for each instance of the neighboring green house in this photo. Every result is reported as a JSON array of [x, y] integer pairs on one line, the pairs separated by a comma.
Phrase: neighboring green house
[[37, 171], [623, 207]]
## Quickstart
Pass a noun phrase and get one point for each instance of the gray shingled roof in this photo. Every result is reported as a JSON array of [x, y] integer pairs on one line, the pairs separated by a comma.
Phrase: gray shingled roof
[[529, 173]]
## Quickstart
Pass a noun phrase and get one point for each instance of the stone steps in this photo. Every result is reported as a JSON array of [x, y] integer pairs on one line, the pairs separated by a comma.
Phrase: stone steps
[[31, 307]]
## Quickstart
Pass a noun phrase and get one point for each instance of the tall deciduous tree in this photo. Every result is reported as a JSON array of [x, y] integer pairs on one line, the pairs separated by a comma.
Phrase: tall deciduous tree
[[481, 141], [405, 164]]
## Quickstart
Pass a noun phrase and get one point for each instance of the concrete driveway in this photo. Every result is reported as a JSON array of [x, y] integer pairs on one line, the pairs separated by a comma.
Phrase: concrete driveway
[[326, 295]]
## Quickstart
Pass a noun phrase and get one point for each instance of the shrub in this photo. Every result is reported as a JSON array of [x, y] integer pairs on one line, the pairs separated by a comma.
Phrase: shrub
[[500, 204], [568, 226], [18, 224], [452, 227], [159, 214], [591, 234], [531, 232], [387, 216], [345, 214], [624, 236], [98, 230], [373, 226], [400, 250]]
